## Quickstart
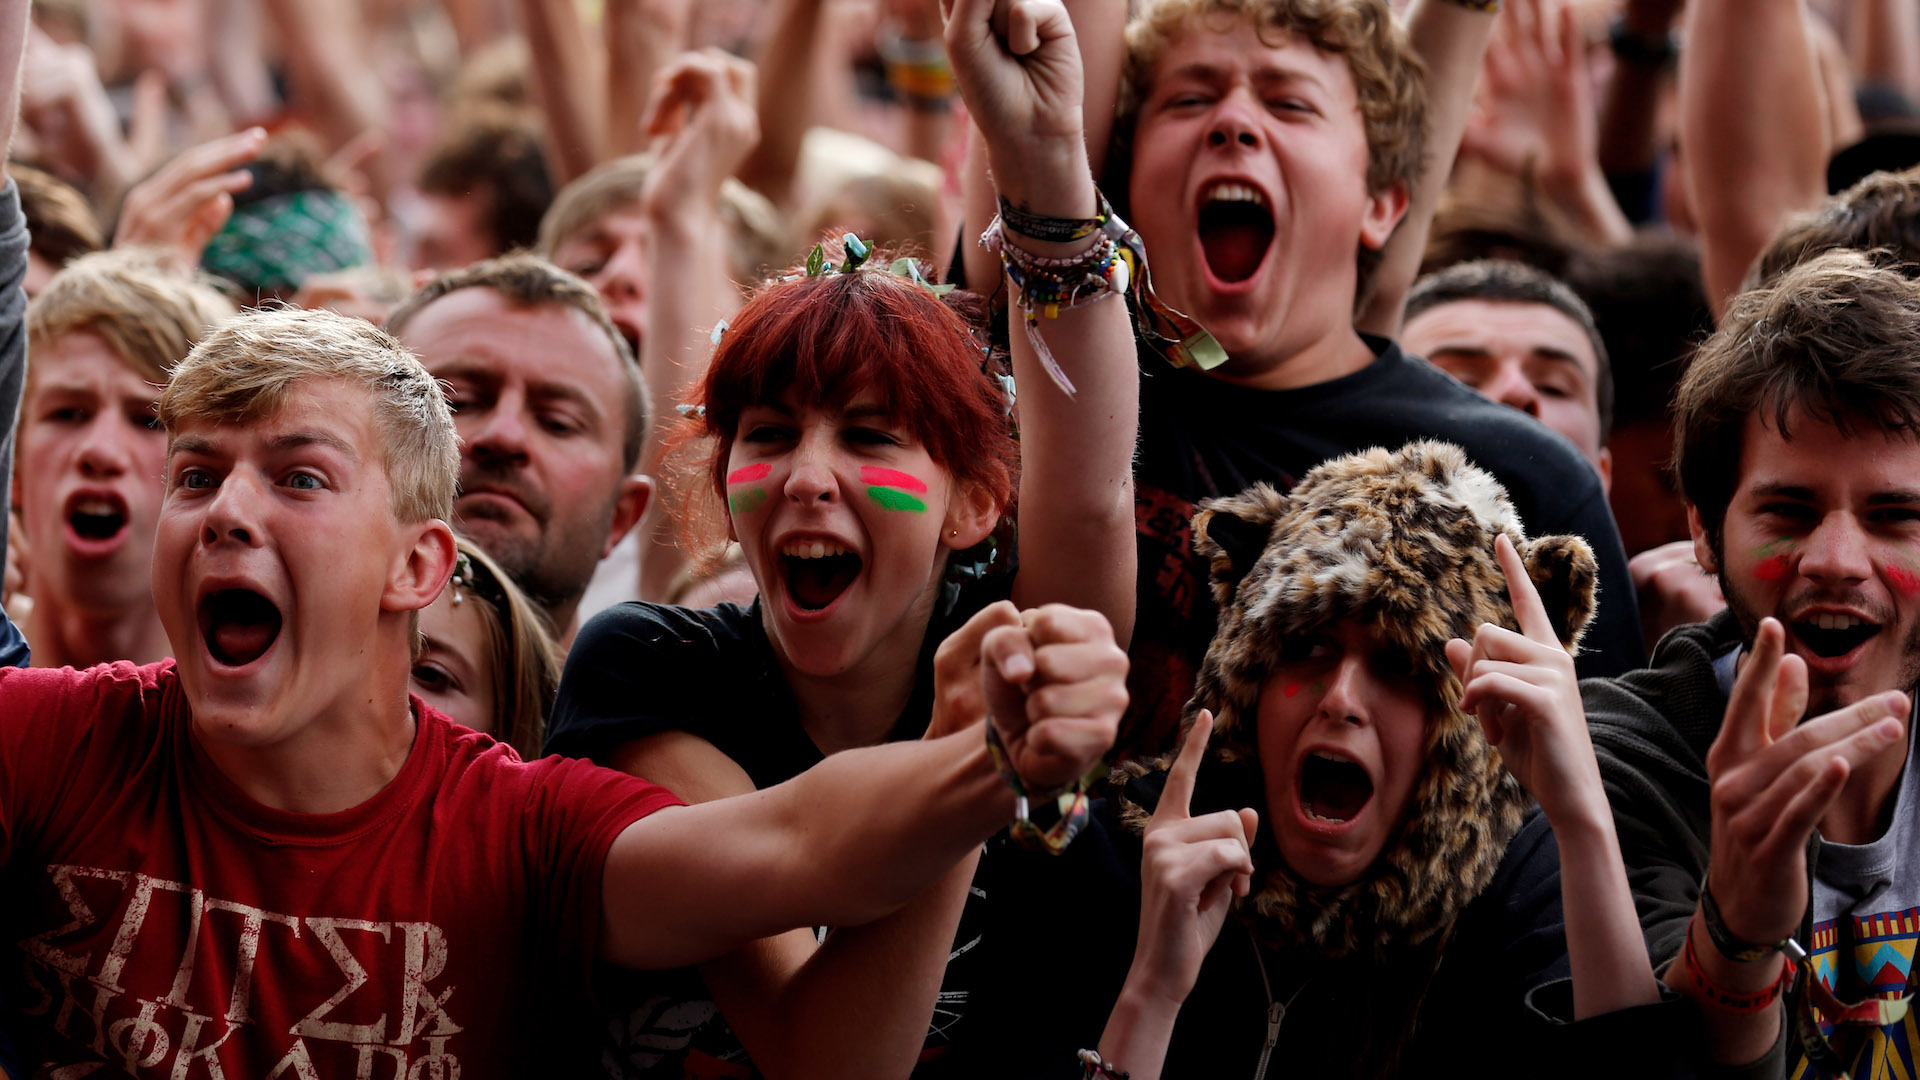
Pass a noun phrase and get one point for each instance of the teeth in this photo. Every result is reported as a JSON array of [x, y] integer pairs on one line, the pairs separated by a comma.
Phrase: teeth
[[1235, 193], [1317, 817], [1324, 756], [815, 549], [1827, 621], [95, 507]]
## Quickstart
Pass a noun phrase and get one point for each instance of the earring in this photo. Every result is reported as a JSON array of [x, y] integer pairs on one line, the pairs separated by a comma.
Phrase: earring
[[955, 533]]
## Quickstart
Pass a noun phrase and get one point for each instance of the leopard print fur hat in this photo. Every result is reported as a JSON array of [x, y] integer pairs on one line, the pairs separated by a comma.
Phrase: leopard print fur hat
[[1403, 541]]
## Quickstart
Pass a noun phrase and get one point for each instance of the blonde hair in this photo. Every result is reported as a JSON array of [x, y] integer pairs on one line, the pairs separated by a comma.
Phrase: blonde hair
[[1388, 75], [247, 368], [150, 314], [757, 235], [525, 658]]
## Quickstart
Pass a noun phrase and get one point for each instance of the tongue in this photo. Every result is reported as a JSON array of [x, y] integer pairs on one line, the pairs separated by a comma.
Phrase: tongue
[[1235, 240], [241, 643], [815, 583], [1337, 791]]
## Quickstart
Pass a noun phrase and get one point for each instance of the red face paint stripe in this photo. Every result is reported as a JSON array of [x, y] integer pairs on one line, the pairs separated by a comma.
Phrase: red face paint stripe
[[1771, 569], [749, 473], [893, 478], [1904, 579]]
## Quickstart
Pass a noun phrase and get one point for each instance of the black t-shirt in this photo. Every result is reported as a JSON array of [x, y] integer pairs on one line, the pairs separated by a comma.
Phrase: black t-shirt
[[639, 669], [1202, 438]]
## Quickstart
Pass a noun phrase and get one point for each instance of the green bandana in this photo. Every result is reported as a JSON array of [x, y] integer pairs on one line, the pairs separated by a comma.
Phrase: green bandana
[[275, 244]]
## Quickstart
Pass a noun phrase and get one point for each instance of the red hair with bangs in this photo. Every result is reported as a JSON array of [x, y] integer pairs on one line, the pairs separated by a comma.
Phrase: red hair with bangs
[[829, 338]]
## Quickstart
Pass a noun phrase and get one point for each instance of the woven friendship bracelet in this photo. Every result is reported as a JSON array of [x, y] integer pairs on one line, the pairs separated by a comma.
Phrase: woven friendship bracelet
[[1050, 230]]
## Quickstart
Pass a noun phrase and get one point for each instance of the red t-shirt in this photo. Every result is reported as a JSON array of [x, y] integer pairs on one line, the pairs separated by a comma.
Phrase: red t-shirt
[[169, 926]]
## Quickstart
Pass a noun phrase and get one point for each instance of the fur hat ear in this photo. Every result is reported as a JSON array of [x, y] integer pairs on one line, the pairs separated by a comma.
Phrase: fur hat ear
[[1232, 533], [1565, 573]]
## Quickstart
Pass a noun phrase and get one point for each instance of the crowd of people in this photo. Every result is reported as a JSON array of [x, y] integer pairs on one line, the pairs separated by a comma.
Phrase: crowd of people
[[991, 537]]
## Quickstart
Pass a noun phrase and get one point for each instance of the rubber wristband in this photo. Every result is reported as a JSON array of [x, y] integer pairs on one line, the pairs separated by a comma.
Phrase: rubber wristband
[[1725, 941]]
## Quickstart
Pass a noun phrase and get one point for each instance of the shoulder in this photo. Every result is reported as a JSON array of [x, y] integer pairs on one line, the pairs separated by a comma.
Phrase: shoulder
[[663, 628], [1674, 701], [54, 690], [482, 769], [1534, 463]]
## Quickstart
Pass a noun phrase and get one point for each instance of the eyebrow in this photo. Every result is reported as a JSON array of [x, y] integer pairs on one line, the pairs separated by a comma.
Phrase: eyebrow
[[298, 440], [190, 444]]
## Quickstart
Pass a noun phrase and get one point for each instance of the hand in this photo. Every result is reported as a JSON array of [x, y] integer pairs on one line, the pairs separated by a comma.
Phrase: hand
[[181, 207], [1673, 590], [1057, 686], [1535, 107], [959, 699], [1018, 65], [1523, 689], [702, 124], [1188, 867], [1774, 777]]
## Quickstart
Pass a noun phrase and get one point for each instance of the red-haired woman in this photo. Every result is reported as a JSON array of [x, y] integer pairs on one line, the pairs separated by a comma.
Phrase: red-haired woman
[[863, 450]]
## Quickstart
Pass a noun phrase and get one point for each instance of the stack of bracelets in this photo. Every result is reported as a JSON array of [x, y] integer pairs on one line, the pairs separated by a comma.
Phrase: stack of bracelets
[[1115, 264]]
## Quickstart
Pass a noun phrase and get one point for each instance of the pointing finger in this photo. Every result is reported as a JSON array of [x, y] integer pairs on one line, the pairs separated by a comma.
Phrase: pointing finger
[[1528, 611], [1177, 800]]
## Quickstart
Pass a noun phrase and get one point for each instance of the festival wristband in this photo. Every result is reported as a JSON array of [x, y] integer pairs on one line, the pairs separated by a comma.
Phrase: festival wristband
[[1093, 1068], [1070, 803], [1729, 1001]]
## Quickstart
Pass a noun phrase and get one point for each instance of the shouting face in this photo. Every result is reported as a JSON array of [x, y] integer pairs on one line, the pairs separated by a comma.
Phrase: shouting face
[[1249, 186], [845, 521], [1823, 533], [91, 452], [1342, 732]]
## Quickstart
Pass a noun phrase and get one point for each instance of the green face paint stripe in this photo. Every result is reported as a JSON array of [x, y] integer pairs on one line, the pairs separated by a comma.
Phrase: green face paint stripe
[[891, 499], [746, 502]]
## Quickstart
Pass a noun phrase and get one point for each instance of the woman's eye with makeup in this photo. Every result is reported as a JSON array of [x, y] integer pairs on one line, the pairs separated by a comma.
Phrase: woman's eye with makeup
[[434, 679]]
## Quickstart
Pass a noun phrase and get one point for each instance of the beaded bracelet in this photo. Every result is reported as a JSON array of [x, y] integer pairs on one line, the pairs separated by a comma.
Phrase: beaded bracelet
[[1092, 1068], [1727, 999], [1070, 802]]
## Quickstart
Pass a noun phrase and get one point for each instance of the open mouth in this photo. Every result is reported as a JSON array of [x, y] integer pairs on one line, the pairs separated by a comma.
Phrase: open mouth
[[1833, 635], [1236, 229], [238, 625], [817, 572], [97, 517], [1333, 789], [630, 332]]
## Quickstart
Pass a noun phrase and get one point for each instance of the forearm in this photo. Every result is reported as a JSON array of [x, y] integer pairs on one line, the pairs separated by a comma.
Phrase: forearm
[[13, 46], [1630, 103], [861, 1005], [566, 81], [787, 58], [1883, 38], [1754, 134], [688, 295], [643, 37], [325, 43], [1589, 207], [1452, 40], [1732, 1038], [1606, 950], [1077, 541], [1139, 1030]]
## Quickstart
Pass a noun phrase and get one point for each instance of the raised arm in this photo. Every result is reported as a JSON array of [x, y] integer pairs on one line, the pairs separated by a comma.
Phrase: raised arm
[[703, 124], [1753, 136], [643, 37], [567, 83], [1451, 38], [1522, 687], [1024, 90], [325, 42], [855, 837]]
